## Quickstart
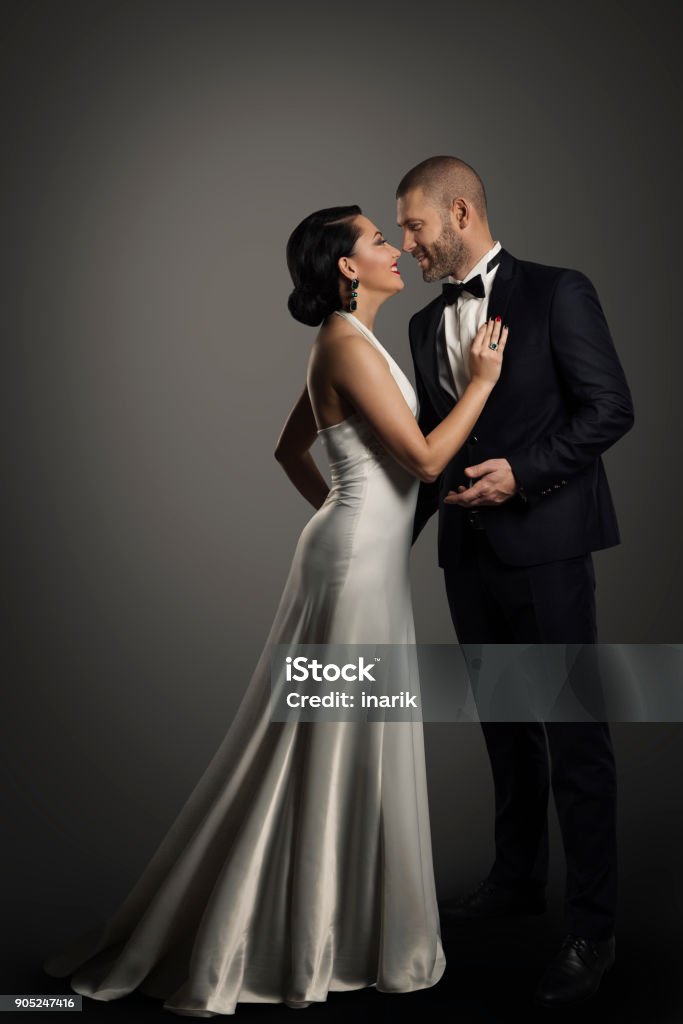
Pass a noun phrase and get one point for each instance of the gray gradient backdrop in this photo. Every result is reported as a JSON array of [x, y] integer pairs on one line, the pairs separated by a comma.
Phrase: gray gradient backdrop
[[157, 156]]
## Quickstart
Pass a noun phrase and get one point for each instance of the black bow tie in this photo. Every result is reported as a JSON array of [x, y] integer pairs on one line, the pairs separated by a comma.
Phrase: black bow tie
[[475, 286]]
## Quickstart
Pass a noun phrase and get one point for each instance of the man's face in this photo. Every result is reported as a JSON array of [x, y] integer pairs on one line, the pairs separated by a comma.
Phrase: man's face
[[429, 236]]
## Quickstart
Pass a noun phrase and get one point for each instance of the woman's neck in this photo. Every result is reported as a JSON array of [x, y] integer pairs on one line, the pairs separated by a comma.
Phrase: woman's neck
[[366, 311]]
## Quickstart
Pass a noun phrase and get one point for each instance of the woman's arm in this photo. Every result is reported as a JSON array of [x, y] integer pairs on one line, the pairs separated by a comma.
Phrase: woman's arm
[[361, 374], [292, 452]]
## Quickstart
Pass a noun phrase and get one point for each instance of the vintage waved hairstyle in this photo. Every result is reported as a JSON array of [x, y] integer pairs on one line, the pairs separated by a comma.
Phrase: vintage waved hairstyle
[[313, 251]]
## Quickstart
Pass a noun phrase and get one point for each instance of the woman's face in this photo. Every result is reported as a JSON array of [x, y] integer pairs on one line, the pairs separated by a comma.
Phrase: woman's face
[[373, 260]]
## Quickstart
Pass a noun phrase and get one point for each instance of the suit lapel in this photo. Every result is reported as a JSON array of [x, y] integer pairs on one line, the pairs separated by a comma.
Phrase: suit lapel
[[427, 358], [503, 285]]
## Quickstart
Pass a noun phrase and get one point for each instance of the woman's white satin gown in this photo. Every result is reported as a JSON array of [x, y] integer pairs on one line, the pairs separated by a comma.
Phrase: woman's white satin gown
[[301, 863]]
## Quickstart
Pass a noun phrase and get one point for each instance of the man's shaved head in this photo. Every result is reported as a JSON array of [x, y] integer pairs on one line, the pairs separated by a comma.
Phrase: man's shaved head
[[442, 179]]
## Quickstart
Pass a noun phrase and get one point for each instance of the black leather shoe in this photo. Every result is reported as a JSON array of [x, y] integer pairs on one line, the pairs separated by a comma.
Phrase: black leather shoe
[[576, 972], [490, 901]]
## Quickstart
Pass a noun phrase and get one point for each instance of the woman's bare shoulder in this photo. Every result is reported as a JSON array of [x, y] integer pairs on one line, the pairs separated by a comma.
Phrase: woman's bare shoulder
[[337, 341]]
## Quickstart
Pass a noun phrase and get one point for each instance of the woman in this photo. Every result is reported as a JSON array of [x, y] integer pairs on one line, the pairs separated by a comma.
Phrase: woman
[[301, 862]]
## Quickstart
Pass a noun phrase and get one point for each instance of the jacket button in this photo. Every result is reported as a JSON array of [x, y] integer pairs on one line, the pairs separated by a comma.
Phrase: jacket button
[[473, 439]]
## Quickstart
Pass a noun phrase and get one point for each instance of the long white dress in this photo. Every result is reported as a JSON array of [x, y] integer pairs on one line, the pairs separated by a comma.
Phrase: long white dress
[[301, 863]]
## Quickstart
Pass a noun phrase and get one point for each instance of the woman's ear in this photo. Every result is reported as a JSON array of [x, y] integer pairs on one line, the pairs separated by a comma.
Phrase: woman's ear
[[346, 268]]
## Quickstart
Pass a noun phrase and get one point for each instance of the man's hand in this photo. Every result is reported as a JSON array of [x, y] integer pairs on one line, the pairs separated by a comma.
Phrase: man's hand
[[496, 485]]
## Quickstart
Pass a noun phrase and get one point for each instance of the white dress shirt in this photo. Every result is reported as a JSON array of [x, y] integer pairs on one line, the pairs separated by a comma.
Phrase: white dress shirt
[[459, 325]]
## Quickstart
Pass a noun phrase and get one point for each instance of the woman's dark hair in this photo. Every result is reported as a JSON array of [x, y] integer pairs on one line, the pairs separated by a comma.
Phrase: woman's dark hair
[[313, 250]]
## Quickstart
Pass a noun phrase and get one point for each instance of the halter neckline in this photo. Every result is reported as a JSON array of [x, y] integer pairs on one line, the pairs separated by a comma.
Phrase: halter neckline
[[357, 323]]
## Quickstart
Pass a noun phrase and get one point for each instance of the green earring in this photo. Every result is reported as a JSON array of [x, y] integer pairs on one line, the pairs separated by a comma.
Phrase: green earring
[[354, 295]]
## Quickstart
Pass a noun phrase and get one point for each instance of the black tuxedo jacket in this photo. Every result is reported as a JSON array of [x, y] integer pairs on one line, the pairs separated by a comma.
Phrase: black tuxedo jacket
[[562, 399]]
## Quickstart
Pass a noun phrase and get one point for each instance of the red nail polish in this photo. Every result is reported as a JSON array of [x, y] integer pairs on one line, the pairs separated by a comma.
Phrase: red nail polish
[[497, 319]]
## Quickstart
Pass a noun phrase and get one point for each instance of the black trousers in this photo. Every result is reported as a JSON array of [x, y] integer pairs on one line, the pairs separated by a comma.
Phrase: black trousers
[[553, 603]]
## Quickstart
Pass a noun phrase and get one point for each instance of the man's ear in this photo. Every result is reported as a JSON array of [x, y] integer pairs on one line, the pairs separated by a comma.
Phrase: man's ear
[[460, 212], [347, 267]]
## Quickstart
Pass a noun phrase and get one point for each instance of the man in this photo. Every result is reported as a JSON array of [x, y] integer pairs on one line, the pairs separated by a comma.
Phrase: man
[[521, 508]]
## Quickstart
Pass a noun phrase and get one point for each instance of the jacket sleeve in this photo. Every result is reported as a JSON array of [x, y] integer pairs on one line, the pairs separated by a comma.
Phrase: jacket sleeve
[[427, 419], [595, 385]]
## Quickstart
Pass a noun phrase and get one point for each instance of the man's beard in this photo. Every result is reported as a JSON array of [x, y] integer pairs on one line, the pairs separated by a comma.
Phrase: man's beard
[[444, 254]]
